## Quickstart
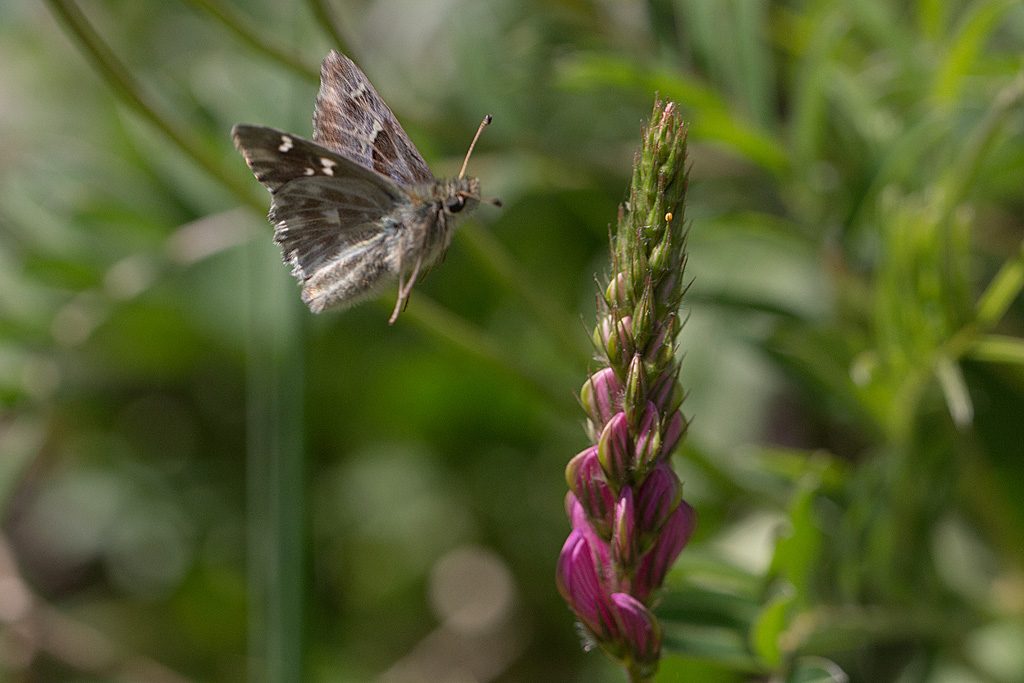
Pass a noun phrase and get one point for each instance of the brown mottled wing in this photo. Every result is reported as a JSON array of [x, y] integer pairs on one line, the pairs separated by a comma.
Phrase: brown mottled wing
[[351, 119], [326, 208]]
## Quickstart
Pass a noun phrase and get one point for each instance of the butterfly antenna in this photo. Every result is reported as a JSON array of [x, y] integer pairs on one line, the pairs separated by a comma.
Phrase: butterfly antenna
[[490, 200], [483, 124]]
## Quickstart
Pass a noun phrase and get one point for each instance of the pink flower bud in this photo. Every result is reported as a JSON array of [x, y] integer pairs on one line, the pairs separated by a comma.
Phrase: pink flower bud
[[638, 628], [621, 343], [599, 546], [643, 317], [601, 395], [674, 431], [614, 452], [667, 288], [648, 439], [661, 253], [662, 390], [657, 499], [617, 291], [602, 332], [625, 539], [657, 345], [670, 542], [586, 480], [579, 583], [634, 389]]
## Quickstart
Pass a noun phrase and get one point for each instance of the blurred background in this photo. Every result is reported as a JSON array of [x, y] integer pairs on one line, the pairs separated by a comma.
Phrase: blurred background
[[201, 481]]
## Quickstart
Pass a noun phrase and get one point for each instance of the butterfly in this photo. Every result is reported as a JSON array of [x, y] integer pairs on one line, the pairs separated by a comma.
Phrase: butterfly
[[357, 208]]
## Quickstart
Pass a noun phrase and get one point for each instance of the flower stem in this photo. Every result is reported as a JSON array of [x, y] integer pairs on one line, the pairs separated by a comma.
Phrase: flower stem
[[248, 34]]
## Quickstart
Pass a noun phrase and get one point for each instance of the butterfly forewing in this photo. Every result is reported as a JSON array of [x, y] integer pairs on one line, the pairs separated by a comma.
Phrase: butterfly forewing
[[351, 119], [323, 204]]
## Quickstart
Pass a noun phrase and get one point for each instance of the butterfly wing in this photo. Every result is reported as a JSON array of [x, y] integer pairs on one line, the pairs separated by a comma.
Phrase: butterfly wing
[[351, 119], [328, 214]]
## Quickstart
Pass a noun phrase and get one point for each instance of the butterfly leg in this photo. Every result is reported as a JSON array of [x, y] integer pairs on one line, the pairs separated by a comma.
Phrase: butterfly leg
[[404, 289]]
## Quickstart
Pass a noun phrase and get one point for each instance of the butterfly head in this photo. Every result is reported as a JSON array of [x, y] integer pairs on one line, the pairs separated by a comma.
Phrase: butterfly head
[[459, 196], [464, 193]]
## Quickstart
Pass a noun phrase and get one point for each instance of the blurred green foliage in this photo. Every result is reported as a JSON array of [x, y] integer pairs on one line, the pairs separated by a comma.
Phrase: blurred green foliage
[[183, 448]]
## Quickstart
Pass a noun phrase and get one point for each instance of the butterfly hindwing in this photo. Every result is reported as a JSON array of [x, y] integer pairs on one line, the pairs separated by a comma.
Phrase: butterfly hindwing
[[324, 205], [351, 119], [355, 273]]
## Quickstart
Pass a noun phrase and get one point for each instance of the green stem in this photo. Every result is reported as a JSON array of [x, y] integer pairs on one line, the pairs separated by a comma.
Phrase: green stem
[[964, 171], [444, 325], [491, 253], [1002, 291], [635, 678], [124, 85], [995, 348], [827, 629], [327, 23], [248, 34], [275, 502]]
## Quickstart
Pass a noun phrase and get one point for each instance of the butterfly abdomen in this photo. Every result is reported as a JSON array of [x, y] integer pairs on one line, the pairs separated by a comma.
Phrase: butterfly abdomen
[[356, 274]]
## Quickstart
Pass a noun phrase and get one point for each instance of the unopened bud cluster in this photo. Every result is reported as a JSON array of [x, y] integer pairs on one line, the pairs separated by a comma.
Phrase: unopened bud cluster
[[629, 521]]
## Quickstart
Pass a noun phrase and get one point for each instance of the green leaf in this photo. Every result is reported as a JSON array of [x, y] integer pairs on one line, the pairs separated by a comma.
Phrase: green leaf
[[721, 645], [996, 348], [796, 553], [954, 388], [965, 48], [674, 669], [817, 670], [691, 606], [712, 117], [793, 465], [770, 624], [1002, 291]]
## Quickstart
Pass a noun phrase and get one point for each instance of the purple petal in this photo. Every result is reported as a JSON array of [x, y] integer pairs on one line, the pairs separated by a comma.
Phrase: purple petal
[[587, 481], [574, 511], [666, 393], [667, 287], [621, 342], [638, 627], [601, 395], [562, 569], [658, 497], [580, 585], [648, 440], [656, 346], [625, 539], [580, 522], [614, 452], [674, 431], [673, 538]]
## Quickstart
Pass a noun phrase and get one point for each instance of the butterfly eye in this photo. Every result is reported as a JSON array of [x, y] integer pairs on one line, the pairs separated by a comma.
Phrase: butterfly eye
[[455, 204]]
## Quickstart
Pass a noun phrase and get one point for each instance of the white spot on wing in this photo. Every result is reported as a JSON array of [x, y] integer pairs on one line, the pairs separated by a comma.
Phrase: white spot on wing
[[286, 144], [310, 171], [329, 165]]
